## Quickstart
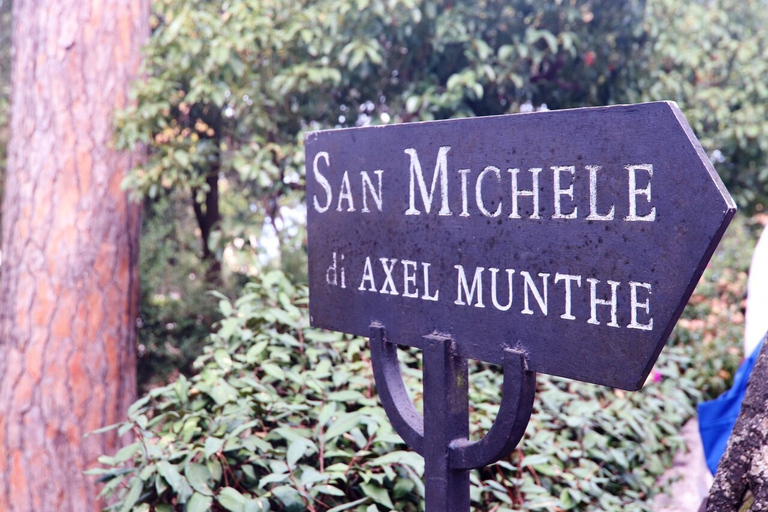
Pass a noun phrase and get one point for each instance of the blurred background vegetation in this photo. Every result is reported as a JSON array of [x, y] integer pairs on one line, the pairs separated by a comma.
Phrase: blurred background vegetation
[[230, 88]]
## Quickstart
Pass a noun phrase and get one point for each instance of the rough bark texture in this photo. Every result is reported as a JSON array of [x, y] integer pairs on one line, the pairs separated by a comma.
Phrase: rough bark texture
[[69, 284], [744, 466]]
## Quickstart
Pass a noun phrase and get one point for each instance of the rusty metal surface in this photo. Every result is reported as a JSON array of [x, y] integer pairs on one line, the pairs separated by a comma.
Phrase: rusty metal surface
[[661, 243]]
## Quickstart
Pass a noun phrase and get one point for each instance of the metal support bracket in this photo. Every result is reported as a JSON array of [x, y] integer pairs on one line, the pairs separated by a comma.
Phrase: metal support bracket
[[441, 436]]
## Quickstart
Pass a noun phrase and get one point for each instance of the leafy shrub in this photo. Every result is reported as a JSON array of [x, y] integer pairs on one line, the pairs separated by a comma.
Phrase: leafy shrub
[[279, 417], [285, 417]]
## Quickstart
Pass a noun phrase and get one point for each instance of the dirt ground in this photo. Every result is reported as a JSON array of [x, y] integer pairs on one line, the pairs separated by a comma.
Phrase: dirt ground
[[689, 475]]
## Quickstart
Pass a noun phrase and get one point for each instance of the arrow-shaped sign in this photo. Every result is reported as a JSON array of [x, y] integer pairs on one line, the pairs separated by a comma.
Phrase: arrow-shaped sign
[[574, 237]]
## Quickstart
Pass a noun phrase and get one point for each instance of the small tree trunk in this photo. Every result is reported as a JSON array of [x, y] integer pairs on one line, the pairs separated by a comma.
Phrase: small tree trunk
[[69, 284], [208, 219], [744, 466]]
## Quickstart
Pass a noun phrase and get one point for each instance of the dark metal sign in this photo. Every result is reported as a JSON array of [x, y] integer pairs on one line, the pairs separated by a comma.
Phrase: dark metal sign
[[561, 242], [575, 237]]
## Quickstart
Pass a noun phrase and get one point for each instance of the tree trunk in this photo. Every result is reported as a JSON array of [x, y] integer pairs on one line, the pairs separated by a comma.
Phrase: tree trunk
[[744, 466], [69, 284], [208, 219]]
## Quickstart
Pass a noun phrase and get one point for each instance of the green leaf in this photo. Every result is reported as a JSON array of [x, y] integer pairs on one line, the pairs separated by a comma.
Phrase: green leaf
[[147, 471], [273, 370], [311, 475], [231, 499], [222, 392], [226, 307], [348, 506], [273, 478], [169, 472], [104, 429], [213, 445], [342, 425], [199, 478], [199, 503], [126, 453], [328, 489], [566, 499], [345, 396], [536, 459], [222, 358], [379, 494], [259, 505], [289, 496], [133, 495], [295, 452]]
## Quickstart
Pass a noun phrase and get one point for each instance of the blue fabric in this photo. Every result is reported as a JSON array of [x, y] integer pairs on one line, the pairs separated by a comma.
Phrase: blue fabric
[[717, 417]]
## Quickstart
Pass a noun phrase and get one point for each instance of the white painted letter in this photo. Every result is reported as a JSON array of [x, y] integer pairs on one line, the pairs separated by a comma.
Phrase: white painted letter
[[634, 192], [388, 282], [568, 278], [464, 205], [427, 296], [367, 276], [594, 301], [323, 182], [593, 215], [477, 284], [495, 301], [634, 305], [409, 277], [563, 192], [441, 168], [479, 191], [331, 274], [368, 185], [529, 285], [534, 192], [345, 193]]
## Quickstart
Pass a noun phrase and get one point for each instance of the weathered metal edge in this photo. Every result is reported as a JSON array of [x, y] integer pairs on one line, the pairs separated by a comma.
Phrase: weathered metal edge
[[629, 106], [725, 221]]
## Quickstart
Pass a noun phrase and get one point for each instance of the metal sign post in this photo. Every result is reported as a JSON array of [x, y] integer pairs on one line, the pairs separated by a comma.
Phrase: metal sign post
[[441, 436], [563, 242]]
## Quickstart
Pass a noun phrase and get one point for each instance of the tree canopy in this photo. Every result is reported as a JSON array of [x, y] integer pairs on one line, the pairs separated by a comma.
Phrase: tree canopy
[[232, 86]]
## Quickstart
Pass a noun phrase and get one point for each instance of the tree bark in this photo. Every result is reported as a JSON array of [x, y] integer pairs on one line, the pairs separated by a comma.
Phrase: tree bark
[[69, 284], [208, 219], [744, 466]]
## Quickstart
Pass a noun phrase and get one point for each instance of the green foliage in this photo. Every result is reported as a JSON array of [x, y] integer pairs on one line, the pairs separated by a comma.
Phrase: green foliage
[[709, 56], [232, 86], [284, 417], [278, 417], [176, 310]]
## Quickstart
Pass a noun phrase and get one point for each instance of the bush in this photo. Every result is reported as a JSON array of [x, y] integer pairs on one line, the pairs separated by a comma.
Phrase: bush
[[278, 417], [284, 417]]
